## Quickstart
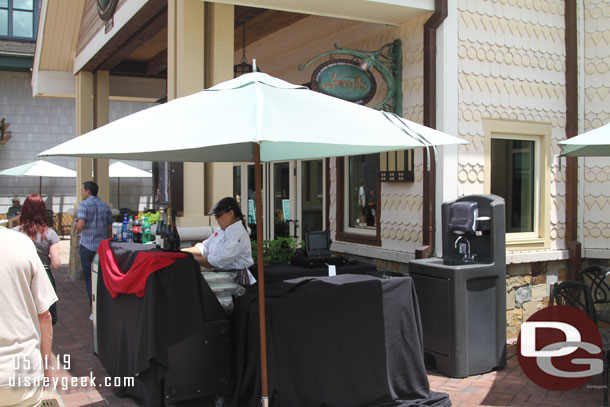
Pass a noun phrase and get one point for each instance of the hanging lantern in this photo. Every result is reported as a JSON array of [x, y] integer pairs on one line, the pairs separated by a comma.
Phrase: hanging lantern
[[243, 67]]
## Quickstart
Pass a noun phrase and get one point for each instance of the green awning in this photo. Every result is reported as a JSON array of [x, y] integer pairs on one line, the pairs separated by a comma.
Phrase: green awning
[[13, 63]]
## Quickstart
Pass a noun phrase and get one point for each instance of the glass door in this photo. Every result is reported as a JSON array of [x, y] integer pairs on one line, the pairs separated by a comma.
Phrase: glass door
[[293, 197], [243, 192], [282, 199], [311, 190]]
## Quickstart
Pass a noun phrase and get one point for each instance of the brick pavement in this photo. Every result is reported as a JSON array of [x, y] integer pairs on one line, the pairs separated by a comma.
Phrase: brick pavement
[[73, 336]]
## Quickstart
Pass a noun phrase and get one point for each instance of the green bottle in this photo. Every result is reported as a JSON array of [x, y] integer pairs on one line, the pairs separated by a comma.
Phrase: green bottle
[[145, 230]]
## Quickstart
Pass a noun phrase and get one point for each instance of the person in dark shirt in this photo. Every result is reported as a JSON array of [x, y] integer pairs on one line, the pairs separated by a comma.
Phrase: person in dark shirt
[[13, 213], [34, 225]]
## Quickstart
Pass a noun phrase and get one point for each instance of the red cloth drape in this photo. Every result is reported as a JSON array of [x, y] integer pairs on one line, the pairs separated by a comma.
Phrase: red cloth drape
[[134, 281]]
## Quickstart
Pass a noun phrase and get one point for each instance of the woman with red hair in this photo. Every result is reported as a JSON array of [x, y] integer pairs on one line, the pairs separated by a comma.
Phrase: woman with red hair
[[34, 225]]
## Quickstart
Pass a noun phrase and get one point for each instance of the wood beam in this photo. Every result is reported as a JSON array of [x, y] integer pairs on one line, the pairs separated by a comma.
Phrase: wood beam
[[265, 24], [157, 64], [147, 13], [156, 24]]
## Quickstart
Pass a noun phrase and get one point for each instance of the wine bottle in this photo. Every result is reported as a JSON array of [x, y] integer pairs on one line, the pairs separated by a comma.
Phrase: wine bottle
[[166, 229], [159, 230], [174, 237]]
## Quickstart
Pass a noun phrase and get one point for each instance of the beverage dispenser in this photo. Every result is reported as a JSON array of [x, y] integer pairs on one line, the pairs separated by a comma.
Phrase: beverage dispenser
[[474, 231], [462, 296]]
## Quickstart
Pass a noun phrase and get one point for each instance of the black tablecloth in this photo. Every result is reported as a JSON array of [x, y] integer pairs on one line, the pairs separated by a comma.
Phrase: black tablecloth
[[335, 341], [281, 272], [134, 333]]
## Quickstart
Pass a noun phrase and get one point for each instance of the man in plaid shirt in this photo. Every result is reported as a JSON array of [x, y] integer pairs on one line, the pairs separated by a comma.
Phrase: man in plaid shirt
[[94, 222]]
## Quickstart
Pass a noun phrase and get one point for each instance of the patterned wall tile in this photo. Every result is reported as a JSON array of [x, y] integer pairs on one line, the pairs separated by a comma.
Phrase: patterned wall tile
[[511, 57], [596, 204]]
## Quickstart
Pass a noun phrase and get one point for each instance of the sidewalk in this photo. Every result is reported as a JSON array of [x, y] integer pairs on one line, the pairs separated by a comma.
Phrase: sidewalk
[[73, 337], [73, 343]]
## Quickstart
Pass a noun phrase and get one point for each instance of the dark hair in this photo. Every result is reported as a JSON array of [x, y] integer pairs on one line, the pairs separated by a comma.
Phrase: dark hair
[[239, 215], [91, 186], [228, 204], [34, 217]]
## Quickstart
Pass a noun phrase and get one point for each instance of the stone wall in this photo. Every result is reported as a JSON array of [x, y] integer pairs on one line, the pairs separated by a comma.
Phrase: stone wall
[[528, 286]]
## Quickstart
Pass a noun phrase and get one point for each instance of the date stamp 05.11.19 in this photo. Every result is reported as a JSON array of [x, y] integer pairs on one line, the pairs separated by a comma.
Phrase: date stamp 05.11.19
[[28, 371]]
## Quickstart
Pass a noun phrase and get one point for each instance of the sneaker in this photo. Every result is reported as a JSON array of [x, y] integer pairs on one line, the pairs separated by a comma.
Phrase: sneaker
[[91, 317]]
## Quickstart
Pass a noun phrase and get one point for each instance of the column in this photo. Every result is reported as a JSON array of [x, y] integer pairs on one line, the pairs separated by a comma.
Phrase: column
[[447, 115], [185, 76], [200, 54], [84, 124], [219, 68], [101, 103]]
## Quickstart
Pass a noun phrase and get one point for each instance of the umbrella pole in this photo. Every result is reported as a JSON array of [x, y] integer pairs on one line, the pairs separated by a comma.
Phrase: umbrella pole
[[118, 192], [40, 186], [261, 275]]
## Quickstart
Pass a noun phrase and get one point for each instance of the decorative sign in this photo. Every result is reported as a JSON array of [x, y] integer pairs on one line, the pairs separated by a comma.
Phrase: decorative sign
[[105, 8], [251, 211], [286, 208], [344, 79]]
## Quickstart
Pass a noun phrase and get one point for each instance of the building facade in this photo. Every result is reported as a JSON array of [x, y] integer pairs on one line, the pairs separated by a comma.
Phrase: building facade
[[40, 123], [496, 73]]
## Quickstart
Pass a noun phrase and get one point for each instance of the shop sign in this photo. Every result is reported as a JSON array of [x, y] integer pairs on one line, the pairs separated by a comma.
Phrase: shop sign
[[344, 79]]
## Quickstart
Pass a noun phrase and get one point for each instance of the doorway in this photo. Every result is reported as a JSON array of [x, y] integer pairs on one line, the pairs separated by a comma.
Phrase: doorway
[[293, 196]]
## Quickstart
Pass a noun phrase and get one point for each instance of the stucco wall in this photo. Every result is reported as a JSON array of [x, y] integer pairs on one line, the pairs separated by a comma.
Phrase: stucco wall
[[41, 123], [595, 172]]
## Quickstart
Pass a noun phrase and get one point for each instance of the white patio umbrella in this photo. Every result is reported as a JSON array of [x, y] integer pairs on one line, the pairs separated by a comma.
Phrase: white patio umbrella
[[252, 118], [594, 143], [39, 169], [120, 170]]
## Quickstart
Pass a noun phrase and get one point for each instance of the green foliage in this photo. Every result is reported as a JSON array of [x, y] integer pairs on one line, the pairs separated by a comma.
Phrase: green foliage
[[276, 251], [153, 217]]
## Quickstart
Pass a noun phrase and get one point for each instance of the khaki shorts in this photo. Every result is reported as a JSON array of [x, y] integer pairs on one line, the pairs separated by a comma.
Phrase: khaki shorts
[[21, 396]]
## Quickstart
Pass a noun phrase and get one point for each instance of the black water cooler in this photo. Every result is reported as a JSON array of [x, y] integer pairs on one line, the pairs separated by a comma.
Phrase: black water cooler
[[462, 296]]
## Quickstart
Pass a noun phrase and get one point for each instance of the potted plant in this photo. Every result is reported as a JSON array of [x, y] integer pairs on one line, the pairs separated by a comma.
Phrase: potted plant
[[276, 251]]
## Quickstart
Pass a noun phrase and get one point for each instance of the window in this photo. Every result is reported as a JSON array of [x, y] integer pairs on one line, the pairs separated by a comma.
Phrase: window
[[19, 18], [358, 208], [237, 184], [517, 155], [513, 175], [281, 194], [160, 171], [396, 166]]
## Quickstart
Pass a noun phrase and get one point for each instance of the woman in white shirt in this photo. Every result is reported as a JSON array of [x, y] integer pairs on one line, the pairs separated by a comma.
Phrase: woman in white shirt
[[229, 248]]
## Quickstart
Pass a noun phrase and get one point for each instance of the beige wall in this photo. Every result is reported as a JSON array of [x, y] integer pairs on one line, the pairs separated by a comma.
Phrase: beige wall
[[595, 172], [401, 214], [511, 66], [277, 56]]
